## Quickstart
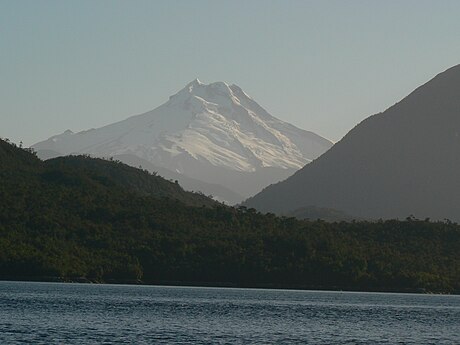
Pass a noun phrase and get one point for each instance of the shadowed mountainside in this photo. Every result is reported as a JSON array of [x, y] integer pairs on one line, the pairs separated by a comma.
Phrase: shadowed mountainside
[[404, 161]]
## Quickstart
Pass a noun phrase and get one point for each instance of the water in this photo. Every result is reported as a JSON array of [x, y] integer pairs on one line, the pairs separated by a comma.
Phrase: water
[[51, 313]]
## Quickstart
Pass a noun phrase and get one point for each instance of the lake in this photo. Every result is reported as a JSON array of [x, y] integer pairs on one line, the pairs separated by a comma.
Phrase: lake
[[54, 313]]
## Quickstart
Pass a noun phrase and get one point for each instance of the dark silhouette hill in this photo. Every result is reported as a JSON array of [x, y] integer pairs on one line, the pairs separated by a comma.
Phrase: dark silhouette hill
[[404, 161]]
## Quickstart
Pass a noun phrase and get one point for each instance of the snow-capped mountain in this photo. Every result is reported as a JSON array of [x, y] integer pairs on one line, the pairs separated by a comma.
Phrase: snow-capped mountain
[[214, 133]]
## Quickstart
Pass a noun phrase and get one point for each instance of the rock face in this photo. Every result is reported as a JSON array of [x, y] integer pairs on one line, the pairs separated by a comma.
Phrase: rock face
[[404, 161], [214, 133]]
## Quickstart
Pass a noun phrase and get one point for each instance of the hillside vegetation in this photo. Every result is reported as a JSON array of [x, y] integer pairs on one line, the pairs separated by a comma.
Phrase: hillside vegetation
[[79, 218]]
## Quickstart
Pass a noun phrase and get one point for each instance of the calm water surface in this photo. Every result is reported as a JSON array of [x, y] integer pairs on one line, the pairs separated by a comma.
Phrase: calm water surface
[[51, 313]]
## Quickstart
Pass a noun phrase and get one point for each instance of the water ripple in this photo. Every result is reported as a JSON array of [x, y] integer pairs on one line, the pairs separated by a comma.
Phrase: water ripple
[[50, 313]]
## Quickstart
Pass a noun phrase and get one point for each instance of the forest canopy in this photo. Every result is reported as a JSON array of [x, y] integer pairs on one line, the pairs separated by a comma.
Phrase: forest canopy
[[81, 218]]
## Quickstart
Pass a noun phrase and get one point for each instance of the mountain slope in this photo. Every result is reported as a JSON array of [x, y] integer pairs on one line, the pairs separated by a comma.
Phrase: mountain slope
[[218, 192], [404, 161], [121, 176], [214, 133]]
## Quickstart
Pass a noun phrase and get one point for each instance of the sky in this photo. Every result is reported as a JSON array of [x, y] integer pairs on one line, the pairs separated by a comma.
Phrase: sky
[[321, 65]]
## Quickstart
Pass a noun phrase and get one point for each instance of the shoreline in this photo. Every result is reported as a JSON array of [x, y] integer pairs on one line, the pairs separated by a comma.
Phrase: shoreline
[[198, 284]]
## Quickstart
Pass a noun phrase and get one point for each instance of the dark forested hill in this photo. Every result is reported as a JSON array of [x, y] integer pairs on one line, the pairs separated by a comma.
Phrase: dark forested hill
[[79, 218], [12, 157], [83, 172], [404, 161], [116, 174]]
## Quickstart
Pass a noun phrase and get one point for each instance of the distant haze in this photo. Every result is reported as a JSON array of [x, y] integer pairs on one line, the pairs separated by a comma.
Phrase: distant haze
[[323, 66]]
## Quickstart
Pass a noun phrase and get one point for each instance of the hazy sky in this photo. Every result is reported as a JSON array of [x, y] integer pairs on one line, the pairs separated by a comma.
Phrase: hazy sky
[[321, 65]]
